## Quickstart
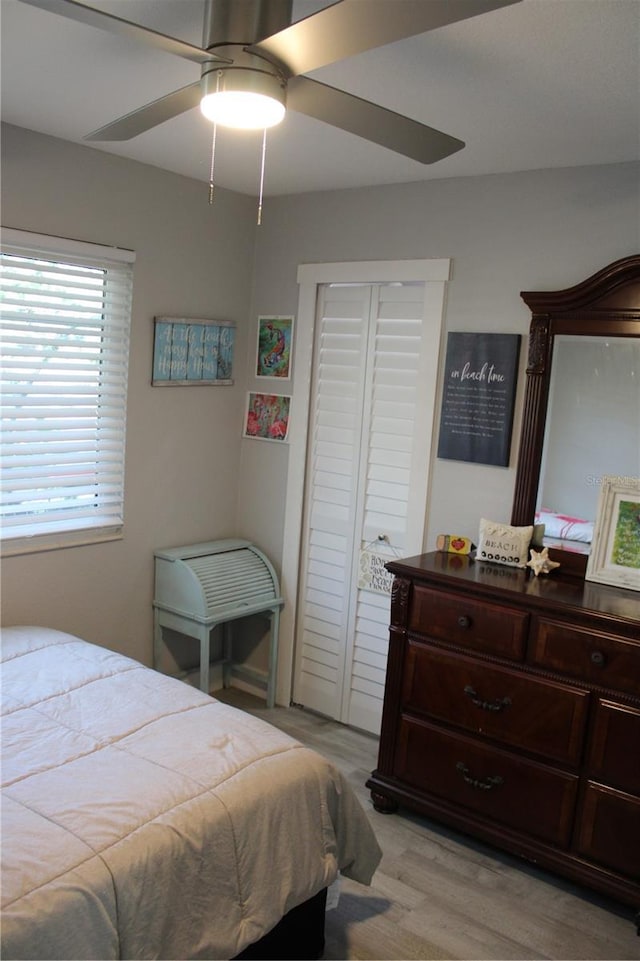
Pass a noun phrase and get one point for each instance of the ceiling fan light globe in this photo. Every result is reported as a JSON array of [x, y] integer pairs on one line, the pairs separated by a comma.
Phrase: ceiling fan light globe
[[243, 110], [244, 97]]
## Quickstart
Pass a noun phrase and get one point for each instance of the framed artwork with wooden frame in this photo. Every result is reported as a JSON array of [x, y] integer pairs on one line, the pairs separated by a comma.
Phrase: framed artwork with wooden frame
[[190, 352]]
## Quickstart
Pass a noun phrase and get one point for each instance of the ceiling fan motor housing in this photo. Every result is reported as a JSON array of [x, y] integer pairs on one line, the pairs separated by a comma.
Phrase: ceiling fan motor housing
[[243, 22], [235, 25], [249, 74]]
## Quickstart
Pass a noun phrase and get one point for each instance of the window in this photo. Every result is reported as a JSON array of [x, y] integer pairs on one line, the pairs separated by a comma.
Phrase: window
[[66, 311]]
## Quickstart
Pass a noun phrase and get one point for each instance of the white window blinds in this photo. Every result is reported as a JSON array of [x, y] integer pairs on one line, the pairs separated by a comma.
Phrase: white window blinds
[[65, 318]]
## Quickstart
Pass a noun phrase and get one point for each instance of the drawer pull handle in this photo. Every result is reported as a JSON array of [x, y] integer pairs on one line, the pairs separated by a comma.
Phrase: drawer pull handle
[[485, 785], [597, 658], [497, 705], [464, 621]]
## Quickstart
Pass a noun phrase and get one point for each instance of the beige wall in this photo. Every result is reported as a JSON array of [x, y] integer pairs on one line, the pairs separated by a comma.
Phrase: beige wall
[[190, 476], [183, 443]]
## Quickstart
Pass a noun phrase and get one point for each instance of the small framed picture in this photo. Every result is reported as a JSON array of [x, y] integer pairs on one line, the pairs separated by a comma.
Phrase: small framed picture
[[267, 416], [615, 549], [275, 336]]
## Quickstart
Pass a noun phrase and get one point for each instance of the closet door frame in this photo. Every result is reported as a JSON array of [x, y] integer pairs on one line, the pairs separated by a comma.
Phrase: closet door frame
[[434, 274]]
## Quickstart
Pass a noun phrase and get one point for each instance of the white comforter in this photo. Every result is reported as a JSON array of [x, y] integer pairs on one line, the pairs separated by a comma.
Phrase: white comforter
[[143, 819]]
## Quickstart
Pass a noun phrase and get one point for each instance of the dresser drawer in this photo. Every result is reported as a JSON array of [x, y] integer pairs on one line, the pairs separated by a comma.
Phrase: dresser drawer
[[521, 794], [539, 716], [610, 829], [476, 625], [590, 655], [614, 754]]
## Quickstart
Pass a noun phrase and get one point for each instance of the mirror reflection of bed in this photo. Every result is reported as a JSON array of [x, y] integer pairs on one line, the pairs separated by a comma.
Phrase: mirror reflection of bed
[[592, 429]]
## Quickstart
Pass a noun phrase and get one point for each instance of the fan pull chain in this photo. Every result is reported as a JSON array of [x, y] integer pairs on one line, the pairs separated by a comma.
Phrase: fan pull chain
[[264, 152], [213, 158], [213, 149]]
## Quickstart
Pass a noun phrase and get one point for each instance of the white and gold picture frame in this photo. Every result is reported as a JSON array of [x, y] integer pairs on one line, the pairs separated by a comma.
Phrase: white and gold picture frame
[[615, 549]]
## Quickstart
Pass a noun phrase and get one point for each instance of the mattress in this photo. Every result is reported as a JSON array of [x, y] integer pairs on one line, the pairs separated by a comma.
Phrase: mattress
[[142, 818]]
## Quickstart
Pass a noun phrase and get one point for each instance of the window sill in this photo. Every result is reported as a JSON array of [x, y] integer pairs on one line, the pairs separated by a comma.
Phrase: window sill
[[39, 543]]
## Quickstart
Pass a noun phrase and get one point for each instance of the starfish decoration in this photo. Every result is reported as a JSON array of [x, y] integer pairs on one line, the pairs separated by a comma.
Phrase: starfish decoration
[[540, 562]]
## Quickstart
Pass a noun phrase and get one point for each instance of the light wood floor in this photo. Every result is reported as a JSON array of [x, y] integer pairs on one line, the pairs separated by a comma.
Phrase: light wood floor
[[439, 895]]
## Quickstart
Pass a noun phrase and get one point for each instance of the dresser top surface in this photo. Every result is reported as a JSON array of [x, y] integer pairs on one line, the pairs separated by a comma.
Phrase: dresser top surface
[[515, 585]]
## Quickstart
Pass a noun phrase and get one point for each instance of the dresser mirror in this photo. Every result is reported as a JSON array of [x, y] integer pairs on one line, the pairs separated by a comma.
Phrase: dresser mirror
[[581, 417]]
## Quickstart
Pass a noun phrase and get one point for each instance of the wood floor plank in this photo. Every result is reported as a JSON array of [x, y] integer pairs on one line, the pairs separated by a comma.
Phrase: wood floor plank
[[369, 925], [441, 896]]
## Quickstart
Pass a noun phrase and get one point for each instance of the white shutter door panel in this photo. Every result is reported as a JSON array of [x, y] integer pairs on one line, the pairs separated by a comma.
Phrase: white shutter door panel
[[395, 423], [396, 366], [333, 466], [367, 436], [368, 670]]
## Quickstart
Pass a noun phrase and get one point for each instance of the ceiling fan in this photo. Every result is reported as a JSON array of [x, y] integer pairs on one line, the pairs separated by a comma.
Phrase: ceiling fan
[[251, 52]]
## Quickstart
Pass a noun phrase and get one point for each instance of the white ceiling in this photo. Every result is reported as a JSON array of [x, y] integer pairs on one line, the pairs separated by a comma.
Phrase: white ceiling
[[543, 83]]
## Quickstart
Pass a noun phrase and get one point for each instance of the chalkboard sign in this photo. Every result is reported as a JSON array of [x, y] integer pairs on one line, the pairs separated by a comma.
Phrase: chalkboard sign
[[481, 372]]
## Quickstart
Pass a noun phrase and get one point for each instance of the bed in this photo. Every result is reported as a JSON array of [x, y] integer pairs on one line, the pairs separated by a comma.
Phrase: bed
[[565, 527], [565, 531], [144, 819]]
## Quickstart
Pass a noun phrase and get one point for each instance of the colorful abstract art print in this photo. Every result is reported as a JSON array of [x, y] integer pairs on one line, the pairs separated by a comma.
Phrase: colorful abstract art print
[[275, 336], [267, 416]]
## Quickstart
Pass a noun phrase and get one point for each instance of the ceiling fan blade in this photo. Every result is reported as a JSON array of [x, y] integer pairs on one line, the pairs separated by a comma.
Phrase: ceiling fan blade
[[82, 13], [152, 114], [370, 121], [354, 26]]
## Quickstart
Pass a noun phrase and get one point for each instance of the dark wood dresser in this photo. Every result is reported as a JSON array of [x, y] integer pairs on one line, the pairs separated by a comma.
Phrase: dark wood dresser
[[512, 713]]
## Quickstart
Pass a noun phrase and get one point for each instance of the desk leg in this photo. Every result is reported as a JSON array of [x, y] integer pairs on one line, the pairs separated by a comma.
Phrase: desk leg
[[157, 640], [204, 659], [273, 658], [226, 654]]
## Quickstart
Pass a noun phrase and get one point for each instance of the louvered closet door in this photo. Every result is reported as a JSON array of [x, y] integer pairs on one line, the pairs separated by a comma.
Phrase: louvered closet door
[[366, 478]]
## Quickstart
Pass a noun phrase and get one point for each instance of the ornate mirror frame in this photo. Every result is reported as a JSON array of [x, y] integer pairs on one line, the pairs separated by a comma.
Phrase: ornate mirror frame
[[606, 304]]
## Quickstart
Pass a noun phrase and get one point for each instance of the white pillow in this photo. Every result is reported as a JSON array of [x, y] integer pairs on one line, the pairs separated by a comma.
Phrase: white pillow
[[503, 544]]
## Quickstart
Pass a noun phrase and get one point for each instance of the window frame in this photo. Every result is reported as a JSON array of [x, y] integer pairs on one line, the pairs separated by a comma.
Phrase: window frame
[[114, 324]]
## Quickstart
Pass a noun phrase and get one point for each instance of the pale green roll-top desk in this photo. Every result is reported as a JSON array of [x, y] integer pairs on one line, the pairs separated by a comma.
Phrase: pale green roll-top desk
[[201, 586]]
